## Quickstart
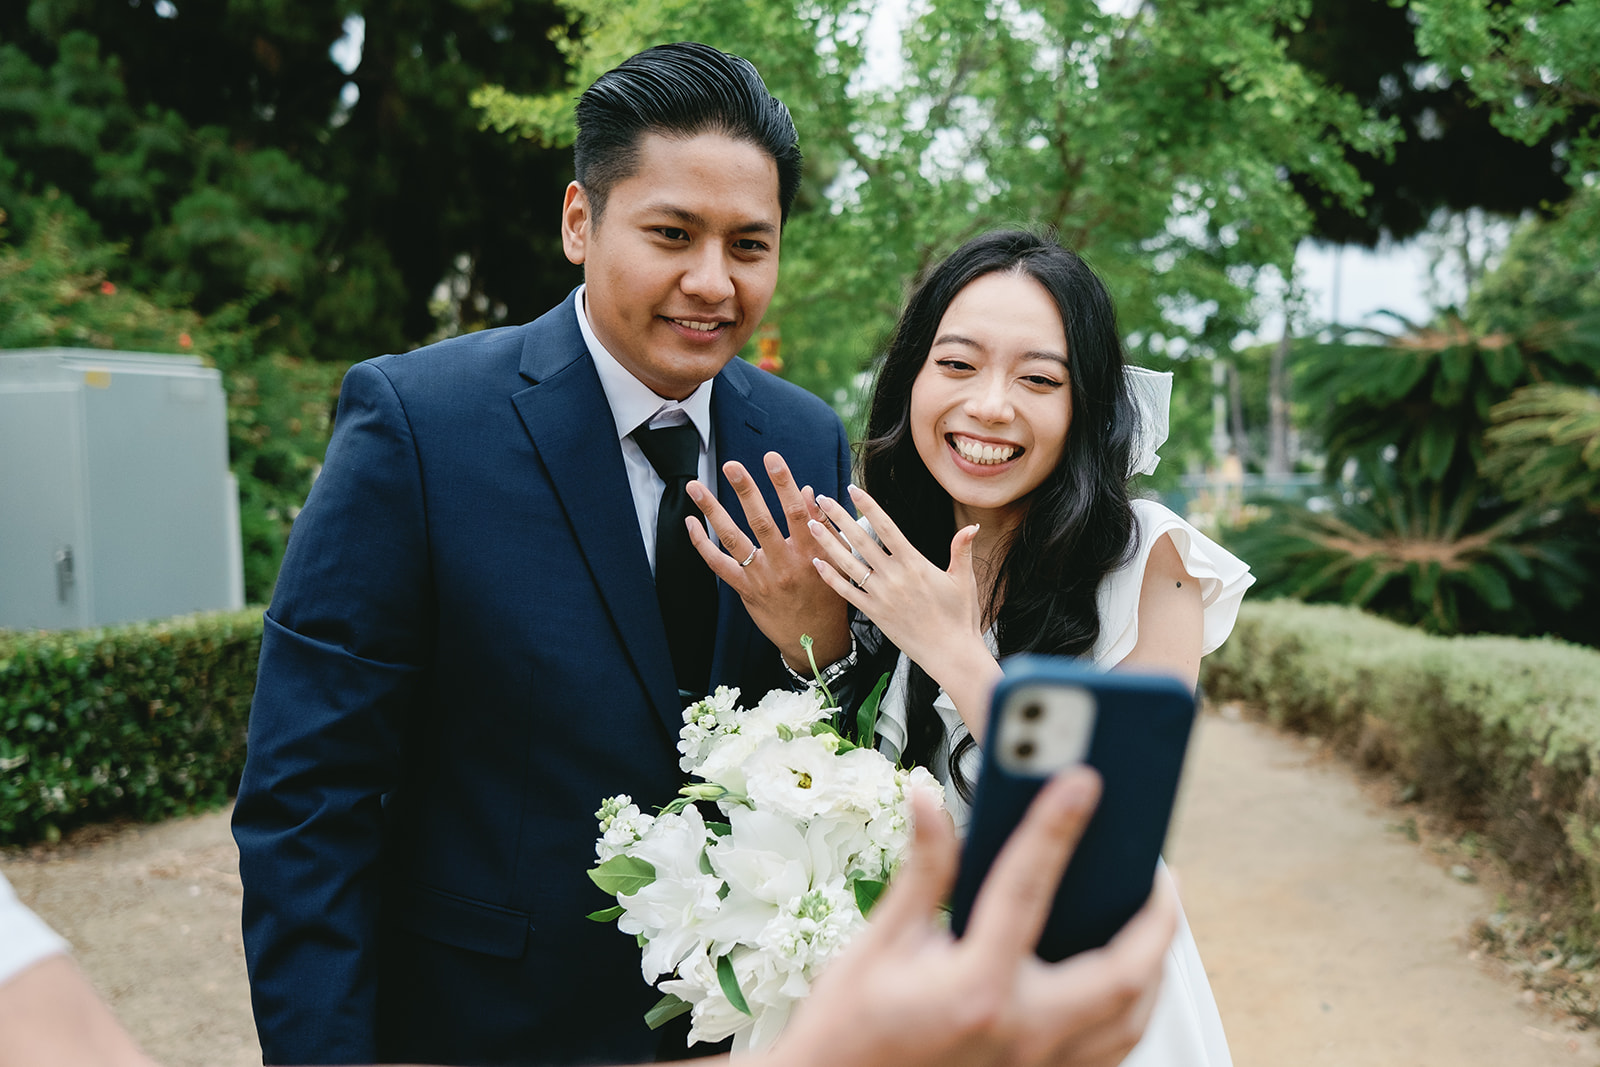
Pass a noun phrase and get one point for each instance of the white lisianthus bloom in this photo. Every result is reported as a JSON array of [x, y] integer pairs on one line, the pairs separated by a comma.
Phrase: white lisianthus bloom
[[797, 711], [672, 910], [807, 777]]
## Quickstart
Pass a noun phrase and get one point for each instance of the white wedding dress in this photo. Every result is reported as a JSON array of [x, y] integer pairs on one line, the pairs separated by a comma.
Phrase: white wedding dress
[[1185, 1029]]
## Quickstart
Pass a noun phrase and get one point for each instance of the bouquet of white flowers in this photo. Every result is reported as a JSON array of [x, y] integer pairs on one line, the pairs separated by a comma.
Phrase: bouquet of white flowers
[[744, 913]]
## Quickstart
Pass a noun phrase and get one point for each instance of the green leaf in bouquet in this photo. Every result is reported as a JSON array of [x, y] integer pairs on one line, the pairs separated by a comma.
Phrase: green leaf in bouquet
[[867, 893], [785, 732], [730, 984], [667, 1008], [721, 829], [605, 915], [867, 714], [622, 875], [674, 806]]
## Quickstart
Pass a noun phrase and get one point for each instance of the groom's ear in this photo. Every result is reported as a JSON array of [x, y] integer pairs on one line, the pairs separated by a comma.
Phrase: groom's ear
[[577, 220]]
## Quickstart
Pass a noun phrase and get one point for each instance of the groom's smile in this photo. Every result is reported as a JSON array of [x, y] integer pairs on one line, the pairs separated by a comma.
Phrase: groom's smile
[[681, 258]]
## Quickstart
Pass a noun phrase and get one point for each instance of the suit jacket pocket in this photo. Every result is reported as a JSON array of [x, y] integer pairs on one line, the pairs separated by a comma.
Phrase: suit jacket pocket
[[461, 921]]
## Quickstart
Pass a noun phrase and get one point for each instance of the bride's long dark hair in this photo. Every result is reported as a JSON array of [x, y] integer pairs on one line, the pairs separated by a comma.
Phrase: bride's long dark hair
[[1078, 524]]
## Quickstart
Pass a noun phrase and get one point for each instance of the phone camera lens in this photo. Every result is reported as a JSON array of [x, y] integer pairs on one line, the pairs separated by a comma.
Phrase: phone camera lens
[[1025, 750], [1031, 711]]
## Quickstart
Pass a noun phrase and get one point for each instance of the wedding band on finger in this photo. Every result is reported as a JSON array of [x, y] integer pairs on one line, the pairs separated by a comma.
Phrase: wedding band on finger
[[748, 559], [862, 584]]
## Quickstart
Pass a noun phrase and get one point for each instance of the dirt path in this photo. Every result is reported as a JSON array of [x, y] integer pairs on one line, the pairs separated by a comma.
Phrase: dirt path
[[1330, 939]]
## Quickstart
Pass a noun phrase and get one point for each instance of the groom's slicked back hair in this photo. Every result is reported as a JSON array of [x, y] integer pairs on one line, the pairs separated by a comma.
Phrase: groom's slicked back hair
[[679, 90]]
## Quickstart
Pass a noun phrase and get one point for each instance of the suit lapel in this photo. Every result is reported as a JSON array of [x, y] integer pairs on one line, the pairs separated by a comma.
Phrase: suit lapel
[[568, 419], [740, 429]]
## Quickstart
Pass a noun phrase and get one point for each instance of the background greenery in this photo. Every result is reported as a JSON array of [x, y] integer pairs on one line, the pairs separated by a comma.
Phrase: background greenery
[[143, 721], [208, 177]]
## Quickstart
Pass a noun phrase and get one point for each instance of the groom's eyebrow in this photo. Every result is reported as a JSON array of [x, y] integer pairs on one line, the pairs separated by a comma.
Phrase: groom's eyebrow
[[699, 221]]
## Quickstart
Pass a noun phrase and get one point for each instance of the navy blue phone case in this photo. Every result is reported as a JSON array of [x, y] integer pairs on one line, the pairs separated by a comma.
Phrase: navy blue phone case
[[1140, 734]]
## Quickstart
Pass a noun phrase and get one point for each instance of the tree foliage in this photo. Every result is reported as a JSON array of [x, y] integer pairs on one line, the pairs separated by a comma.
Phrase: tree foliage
[[1160, 144], [225, 148], [1449, 449], [1450, 154]]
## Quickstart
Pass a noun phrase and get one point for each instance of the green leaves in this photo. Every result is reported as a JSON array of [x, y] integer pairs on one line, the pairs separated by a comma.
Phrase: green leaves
[[867, 892], [730, 984], [622, 875], [141, 721], [867, 716], [605, 915], [666, 1009]]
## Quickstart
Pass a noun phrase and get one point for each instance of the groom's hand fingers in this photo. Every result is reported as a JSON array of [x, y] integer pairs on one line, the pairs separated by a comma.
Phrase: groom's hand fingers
[[767, 533], [1017, 893], [796, 509], [722, 564]]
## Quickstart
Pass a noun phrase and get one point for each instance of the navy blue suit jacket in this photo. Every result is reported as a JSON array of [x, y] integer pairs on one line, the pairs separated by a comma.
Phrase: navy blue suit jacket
[[462, 658]]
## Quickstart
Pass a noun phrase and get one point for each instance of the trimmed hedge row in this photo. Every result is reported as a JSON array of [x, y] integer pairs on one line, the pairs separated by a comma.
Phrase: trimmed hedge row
[[1501, 732], [146, 720]]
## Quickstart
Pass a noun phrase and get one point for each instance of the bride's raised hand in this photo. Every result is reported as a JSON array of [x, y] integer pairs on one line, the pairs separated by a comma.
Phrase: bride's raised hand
[[934, 616]]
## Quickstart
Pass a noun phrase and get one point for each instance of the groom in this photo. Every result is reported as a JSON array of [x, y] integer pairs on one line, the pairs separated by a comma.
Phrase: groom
[[465, 652]]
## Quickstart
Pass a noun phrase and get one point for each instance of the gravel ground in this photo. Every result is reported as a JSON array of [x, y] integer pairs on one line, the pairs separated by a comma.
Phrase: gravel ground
[[1329, 938]]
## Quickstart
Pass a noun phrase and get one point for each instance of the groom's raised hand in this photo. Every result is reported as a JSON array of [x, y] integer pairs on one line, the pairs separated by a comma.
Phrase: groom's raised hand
[[773, 573]]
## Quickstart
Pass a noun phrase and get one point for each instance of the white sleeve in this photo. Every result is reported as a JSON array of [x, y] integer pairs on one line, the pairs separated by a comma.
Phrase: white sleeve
[[1223, 578], [24, 938]]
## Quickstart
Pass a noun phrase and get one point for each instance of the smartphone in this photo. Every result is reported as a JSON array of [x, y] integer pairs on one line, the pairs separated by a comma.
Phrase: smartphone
[[1048, 713]]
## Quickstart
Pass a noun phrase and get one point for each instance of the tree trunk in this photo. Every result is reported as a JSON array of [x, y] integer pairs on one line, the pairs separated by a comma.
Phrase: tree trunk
[[1278, 409]]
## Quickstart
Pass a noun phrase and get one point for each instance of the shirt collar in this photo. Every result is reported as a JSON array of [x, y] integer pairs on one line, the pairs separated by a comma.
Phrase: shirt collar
[[633, 403]]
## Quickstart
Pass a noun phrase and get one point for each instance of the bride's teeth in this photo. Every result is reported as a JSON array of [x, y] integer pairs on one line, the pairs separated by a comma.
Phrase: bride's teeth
[[703, 327], [974, 452]]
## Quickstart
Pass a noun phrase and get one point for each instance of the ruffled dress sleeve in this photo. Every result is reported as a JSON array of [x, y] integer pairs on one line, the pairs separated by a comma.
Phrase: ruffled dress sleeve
[[1223, 578]]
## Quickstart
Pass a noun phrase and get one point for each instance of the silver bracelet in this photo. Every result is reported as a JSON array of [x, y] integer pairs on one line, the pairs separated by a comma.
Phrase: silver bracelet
[[830, 673]]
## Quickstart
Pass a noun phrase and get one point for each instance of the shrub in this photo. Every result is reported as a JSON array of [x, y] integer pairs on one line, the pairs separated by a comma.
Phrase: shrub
[[1503, 733], [146, 720]]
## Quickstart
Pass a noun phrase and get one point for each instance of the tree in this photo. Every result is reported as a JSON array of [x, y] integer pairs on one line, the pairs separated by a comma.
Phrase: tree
[[1161, 145], [224, 146], [1451, 156]]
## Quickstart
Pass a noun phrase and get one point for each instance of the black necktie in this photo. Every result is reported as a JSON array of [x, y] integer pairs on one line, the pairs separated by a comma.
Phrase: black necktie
[[686, 590]]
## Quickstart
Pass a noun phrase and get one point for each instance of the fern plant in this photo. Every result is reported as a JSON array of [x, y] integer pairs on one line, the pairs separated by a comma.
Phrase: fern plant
[[1421, 524], [1415, 553], [1544, 446]]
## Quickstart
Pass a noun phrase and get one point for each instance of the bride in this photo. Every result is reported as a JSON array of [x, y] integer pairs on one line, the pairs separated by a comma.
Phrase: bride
[[1002, 431]]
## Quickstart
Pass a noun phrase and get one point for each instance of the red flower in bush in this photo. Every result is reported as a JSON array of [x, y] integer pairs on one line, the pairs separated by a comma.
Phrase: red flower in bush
[[185, 341], [108, 288]]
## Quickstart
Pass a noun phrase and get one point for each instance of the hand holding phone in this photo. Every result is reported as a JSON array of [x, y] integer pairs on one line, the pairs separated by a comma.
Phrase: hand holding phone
[[1048, 713]]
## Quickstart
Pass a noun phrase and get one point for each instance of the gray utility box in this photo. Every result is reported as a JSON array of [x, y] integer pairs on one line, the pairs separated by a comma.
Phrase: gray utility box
[[116, 502]]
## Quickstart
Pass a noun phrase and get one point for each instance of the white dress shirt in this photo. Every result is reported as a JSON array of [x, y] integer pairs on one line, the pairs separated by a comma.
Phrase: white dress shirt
[[633, 404], [24, 938]]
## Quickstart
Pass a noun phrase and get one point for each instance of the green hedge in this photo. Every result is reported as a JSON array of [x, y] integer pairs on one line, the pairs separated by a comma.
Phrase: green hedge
[[1501, 732], [146, 720]]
